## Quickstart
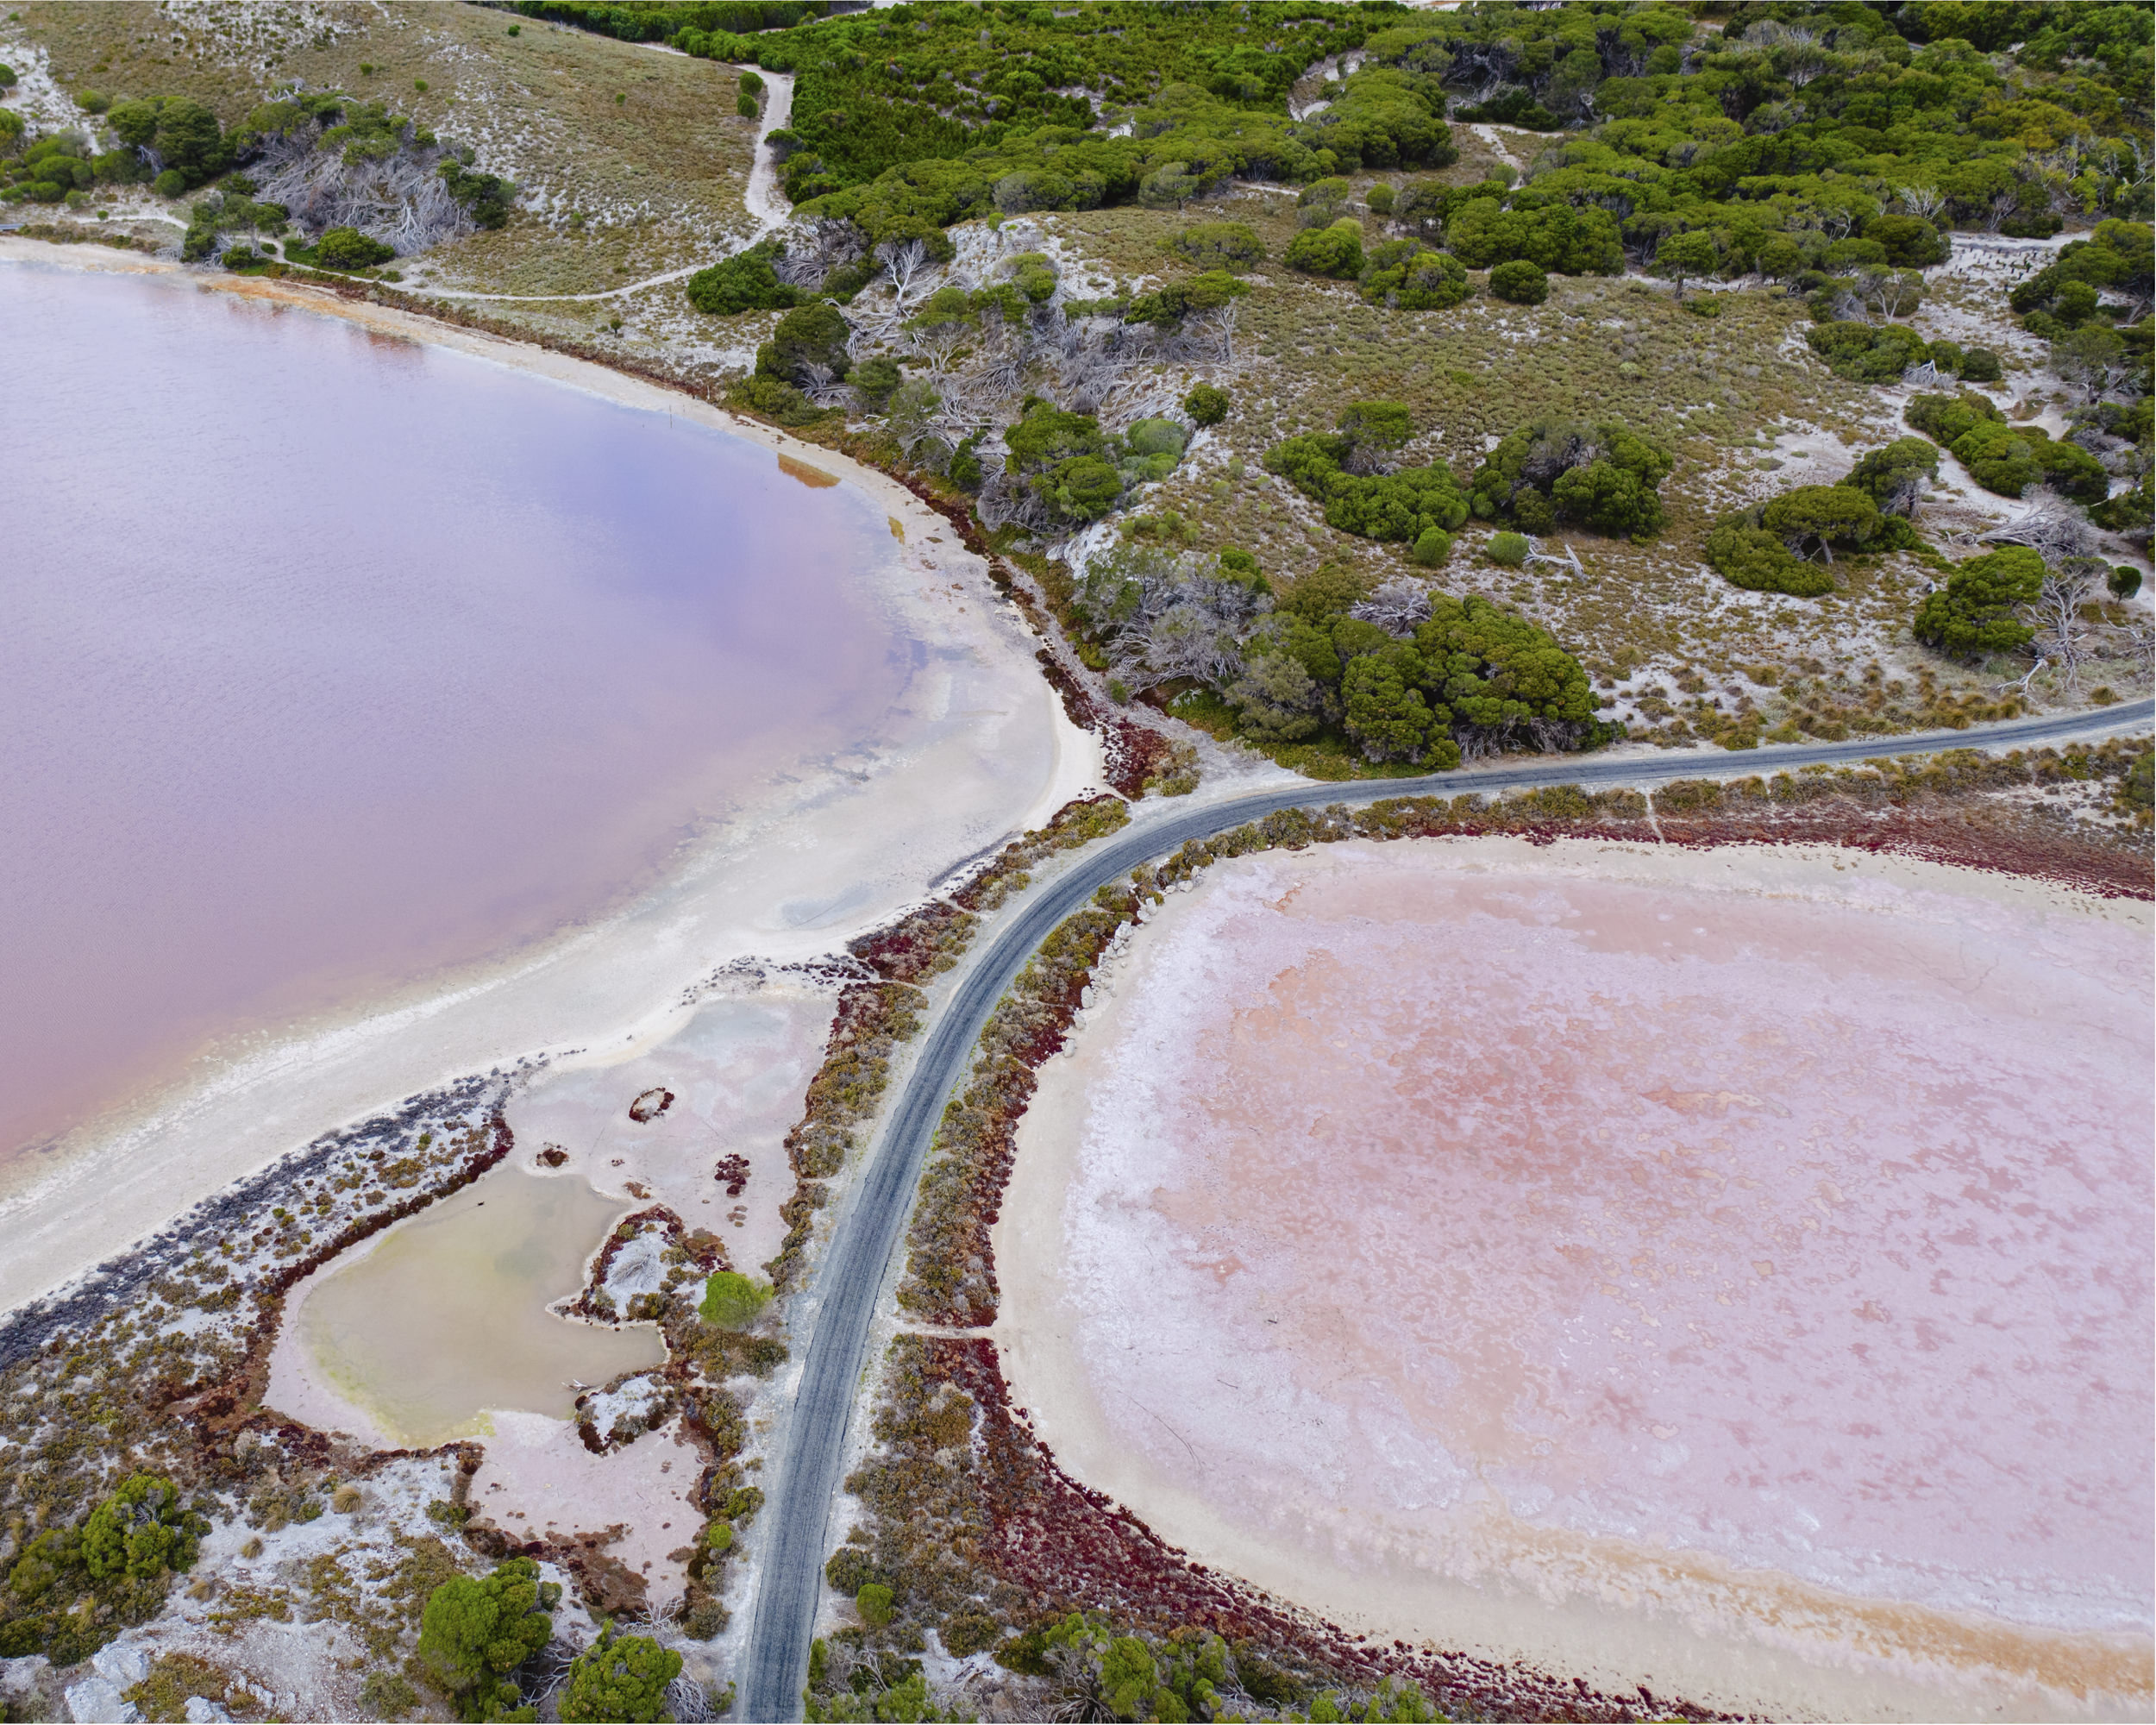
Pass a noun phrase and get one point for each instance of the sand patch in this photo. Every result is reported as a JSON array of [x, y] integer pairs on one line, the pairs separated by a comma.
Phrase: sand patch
[[737, 1070], [539, 1482], [1726, 1271]]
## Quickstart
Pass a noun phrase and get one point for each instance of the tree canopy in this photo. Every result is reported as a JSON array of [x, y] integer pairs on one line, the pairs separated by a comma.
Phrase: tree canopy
[[621, 1679], [1973, 613], [474, 1633]]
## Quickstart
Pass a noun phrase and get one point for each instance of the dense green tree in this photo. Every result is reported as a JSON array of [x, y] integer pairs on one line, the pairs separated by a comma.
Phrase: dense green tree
[[1946, 418], [1865, 352], [1683, 257], [141, 1530], [1894, 478], [1405, 275], [744, 282], [1206, 404], [1336, 251], [1277, 699], [1603, 476], [1907, 241], [1821, 518], [620, 1679], [1747, 556], [1228, 245], [1401, 505], [346, 248], [474, 1633], [1519, 282], [1999, 458], [1374, 430], [1973, 613], [808, 339]]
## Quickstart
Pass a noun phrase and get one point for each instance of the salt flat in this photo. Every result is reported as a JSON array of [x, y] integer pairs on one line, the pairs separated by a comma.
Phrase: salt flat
[[1725, 1268]]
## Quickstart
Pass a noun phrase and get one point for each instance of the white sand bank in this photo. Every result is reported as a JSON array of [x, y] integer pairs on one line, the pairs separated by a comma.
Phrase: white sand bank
[[977, 748], [1286, 1388]]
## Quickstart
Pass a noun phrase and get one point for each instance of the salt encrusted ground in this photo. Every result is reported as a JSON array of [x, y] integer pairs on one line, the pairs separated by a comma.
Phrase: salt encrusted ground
[[1725, 1270]]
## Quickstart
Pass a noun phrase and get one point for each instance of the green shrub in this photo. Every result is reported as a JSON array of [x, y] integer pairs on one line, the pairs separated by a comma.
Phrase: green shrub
[[876, 1603], [814, 335], [1999, 458], [1863, 352], [1519, 282], [1561, 238], [1747, 556], [1228, 245], [1402, 505], [1336, 251], [1821, 516], [1508, 550], [744, 282], [1432, 547], [620, 1679], [1406, 275], [1974, 613], [1206, 404], [745, 106], [1980, 365], [385, 1694], [7, 77], [848, 1570], [1606, 478], [731, 1301], [2124, 581], [170, 184], [1945, 418], [1379, 198], [1894, 478], [346, 248], [474, 1634]]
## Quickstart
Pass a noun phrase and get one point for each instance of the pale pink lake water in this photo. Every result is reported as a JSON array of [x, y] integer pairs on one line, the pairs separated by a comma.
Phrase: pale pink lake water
[[328, 662], [1489, 1224]]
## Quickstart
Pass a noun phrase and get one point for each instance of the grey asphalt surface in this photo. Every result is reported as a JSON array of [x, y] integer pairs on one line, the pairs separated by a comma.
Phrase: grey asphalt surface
[[795, 1533]]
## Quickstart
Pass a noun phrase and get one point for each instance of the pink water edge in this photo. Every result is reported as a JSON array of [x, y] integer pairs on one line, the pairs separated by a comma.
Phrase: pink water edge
[[1518, 1226]]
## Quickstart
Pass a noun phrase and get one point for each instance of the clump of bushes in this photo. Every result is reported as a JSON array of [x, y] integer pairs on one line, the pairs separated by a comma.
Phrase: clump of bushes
[[346, 248], [1206, 405], [620, 1677], [1406, 275], [1864, 352], [1228, 245], [474, 1634], [1337, 470], [744, 282], [1519, 282], [1769, 548], [1335, 251], [71, 1589], [1975, 612], [2004, 459], [732, 1301], [1603, 477]]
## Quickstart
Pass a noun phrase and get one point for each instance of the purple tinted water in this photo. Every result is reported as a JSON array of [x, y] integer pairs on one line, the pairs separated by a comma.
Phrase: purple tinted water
[[328, 662]]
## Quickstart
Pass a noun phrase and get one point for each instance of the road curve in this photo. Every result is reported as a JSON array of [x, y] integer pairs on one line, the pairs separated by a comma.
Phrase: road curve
[[796, 1520]]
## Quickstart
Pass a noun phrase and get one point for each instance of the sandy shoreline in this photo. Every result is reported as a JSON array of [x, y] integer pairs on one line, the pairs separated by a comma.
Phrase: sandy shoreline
[[1683, 1623], [981, 749]]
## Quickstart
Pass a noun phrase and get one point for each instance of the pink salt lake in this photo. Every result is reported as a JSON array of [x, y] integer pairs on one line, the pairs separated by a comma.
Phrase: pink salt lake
[[1516, 1226], [332, 663]]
